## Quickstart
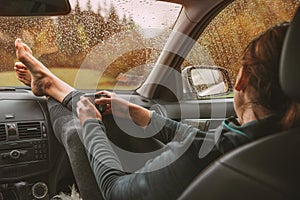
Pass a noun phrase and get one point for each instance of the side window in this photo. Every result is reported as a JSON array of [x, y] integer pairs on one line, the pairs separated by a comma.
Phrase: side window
[[224, 39]]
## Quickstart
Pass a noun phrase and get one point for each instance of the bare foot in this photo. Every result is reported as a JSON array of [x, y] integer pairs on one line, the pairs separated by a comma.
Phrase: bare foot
[[43, 82], [40, 78], [23, 74]]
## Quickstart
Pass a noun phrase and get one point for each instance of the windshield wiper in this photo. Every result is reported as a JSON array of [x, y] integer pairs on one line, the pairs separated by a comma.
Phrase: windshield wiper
[[7, 89], [3, 89]]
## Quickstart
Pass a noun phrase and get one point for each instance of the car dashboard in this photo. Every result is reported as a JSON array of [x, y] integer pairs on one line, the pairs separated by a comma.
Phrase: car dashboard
[[25, 141], [35, 165]]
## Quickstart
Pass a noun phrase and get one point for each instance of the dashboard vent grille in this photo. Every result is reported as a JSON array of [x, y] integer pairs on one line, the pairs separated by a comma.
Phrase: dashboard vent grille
[[2, 132], [29, 130]]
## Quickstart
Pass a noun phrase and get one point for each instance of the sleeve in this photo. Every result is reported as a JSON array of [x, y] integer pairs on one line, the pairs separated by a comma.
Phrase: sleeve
[[165, 129], [164, 177]]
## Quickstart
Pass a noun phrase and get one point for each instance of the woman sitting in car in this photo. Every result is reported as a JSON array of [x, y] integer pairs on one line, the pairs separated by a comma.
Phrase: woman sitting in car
[[261, 108]]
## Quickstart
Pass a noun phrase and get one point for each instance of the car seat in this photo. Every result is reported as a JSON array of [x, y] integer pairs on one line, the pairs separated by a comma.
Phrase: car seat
[[268, 168]]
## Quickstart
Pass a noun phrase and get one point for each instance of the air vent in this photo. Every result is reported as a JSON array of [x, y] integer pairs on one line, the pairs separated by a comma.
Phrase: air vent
[[29, 130], [2, 132]]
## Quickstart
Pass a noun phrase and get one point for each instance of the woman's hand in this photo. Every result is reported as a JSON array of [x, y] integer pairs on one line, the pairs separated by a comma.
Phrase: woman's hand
[[86, 110], [120, 106], [124, 109]]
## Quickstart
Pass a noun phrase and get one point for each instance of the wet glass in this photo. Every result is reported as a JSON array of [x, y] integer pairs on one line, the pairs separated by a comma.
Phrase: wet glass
[[225, 38], [109, 44]]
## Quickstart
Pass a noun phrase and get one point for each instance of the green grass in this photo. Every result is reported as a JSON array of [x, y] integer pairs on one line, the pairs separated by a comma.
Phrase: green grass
[[80, 79]]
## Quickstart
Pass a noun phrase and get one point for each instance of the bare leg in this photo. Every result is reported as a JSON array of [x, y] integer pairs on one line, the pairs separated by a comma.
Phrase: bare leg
[[66, 128], [23, 74], [43, 82]]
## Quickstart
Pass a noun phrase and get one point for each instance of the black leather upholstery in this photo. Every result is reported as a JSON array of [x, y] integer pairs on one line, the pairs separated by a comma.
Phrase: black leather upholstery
[[268, 168], [290, 60]]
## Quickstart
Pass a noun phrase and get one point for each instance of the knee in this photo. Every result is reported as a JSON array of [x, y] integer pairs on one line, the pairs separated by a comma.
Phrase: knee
[[70, 135]]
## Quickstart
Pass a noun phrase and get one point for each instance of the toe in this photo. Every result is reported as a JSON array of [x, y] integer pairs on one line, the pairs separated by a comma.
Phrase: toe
[[22, 71], [20, 65], [18, 42]]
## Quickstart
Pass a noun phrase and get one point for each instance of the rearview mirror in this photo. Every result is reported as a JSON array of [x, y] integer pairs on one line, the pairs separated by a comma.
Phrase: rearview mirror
[[203, 81], [34, 7]]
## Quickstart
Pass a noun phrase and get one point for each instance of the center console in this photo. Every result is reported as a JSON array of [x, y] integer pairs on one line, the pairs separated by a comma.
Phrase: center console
[[24, 149]]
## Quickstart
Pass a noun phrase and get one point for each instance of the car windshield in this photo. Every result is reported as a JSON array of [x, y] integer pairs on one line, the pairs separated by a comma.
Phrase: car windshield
[[101, 44]]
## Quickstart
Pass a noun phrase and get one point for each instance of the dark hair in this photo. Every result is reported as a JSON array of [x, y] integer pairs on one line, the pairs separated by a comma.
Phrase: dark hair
[[261, 64]]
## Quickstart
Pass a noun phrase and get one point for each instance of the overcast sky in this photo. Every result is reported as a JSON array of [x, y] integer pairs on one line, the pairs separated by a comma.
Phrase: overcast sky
[[147, 13]]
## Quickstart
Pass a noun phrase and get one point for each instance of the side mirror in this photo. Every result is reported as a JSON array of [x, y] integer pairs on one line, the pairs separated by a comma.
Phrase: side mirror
[[34, 7], [206, 81]]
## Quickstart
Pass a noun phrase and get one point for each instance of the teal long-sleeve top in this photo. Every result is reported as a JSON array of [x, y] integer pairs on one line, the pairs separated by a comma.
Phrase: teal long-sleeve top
[[168, 174]]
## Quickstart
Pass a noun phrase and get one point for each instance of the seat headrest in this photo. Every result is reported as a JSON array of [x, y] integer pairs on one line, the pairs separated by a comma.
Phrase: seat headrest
[[290, 60]]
